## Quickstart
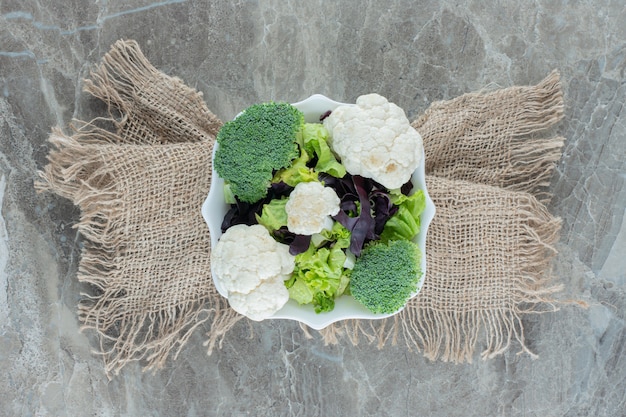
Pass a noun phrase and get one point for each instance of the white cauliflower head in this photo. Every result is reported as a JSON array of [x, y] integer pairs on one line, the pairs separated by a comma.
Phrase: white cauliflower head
[[249, 264], [263, 302], [375, 139], [309, 208]]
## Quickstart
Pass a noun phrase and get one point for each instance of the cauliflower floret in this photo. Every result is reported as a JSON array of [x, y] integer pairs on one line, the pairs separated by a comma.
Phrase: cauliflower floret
[[309, 208], [269, 297], [375, 139], [247, 260]]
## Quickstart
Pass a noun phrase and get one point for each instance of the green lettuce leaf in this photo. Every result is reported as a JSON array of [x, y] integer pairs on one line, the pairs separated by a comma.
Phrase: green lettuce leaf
[[323, 303], [405, 224], [315, 139], [319, 276], [338, 234], [229, 197], [312, 141], [300, 292], [298, 171], [273, 215]]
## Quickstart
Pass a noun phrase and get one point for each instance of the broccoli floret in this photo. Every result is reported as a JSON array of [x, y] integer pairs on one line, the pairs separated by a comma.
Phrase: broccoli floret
[[385, 275], [252, 146]]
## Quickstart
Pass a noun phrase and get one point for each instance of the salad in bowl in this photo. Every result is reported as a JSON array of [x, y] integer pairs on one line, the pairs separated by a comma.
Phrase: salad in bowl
[[318, 210]]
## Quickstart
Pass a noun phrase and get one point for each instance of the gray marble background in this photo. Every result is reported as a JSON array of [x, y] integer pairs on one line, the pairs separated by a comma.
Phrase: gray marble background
[[241, 52]]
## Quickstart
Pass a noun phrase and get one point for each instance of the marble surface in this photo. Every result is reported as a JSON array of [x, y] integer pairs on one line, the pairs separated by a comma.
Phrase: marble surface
[[240, 52]]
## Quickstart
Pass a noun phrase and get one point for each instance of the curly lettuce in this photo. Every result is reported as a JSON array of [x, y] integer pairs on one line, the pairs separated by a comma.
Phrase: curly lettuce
[[319, 275], [405, 223], [315, 157]]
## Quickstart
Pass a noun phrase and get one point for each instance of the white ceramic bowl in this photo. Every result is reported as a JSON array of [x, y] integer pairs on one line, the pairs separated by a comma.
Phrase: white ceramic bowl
[[346, 307]]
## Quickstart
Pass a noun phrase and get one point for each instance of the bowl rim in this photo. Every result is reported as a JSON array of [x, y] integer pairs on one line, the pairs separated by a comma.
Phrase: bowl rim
[[346, 307]]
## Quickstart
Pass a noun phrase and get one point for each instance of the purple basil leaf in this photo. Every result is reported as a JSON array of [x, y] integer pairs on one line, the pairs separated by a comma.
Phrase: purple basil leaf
[[371, 196], [229, 218], [348, 206], [345, 220], [342, 186], [300, 244], [241, 213], [383, 209], [363, 185], [327, 179], [283, 235], [278, 190], [358, 236], [358, 230], [364, 227], [406, 188]]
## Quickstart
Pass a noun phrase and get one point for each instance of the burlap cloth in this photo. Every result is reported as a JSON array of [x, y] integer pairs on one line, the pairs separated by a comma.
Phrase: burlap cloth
[[140, 173]]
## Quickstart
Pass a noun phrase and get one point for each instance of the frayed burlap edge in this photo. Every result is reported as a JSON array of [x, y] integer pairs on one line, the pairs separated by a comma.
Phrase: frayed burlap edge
[[77, 173], [452, 335], [145, 105]]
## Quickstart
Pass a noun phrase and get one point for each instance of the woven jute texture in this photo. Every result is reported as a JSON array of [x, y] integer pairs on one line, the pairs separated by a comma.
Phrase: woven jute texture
[[140, 187], [496, 138], [140, 173]]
